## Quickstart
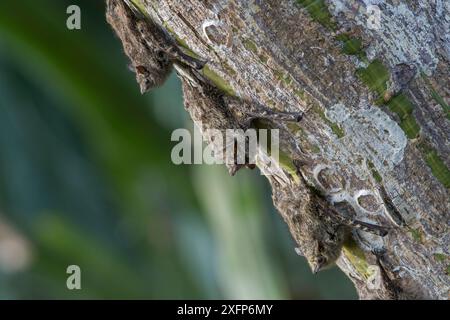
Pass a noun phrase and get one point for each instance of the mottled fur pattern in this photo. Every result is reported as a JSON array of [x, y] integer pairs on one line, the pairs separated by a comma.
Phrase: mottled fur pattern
[[216, 110], [151, 51], [318, 235], [316, 226]]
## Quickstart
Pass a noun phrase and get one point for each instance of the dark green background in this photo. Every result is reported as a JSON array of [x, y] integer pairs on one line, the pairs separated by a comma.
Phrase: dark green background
[[86, 179]]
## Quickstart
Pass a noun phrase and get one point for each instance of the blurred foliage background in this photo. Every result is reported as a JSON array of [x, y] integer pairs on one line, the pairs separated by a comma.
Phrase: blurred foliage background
[[86, 179]]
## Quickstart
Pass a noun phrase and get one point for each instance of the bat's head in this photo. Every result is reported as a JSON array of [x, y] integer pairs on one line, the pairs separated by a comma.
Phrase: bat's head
[[319, 243], [322, 257]]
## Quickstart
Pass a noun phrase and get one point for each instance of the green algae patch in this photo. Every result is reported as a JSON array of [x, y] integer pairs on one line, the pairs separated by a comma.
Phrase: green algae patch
[[440, 257], [403, 107], [285, 162], [315, 148], [417, 235], [181, 42], [437, 97], [287, 79], [375, 76], [218, 81], [337, 130], [357, 258], [436, 164], [375, 174], [298, 131], [300, 93], [185, 47], [352, 46], [410, 127], [271, 103], [284, 77], [343, 37], [319, 12], [139, 5], [263, 58], [229, 69], [250, 45], [295, 128], [441, 102]]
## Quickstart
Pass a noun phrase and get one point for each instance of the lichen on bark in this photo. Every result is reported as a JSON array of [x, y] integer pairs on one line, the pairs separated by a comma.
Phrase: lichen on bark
[[381, 154]]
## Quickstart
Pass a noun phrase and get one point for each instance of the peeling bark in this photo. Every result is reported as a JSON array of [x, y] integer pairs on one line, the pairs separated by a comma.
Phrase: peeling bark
[[375, 136]]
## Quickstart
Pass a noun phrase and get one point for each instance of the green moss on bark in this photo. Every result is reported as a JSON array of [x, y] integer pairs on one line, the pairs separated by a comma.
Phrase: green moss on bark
[[319, 12]]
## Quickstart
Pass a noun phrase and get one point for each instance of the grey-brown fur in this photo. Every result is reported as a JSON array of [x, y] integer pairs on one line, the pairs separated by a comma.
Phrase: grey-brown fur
[[215, 110], [315, 225], [151, 51]]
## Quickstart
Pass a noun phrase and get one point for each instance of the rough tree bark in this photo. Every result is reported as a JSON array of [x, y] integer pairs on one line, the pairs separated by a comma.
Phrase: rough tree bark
[[375, 135]]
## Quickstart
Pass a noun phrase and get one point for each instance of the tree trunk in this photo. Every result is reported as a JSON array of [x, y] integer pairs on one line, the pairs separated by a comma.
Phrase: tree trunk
[[373, 85]]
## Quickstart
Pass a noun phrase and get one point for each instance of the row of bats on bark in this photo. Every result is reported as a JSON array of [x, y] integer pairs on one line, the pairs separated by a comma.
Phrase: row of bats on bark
[[316, 226]]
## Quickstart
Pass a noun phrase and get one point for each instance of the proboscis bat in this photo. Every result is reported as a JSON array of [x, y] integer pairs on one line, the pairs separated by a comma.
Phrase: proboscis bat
[[150, 49], [318, 229], [217, 111], [316, 226]]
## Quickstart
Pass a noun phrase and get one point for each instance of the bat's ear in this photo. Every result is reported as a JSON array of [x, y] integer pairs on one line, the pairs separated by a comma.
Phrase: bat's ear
[[299, 252]]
